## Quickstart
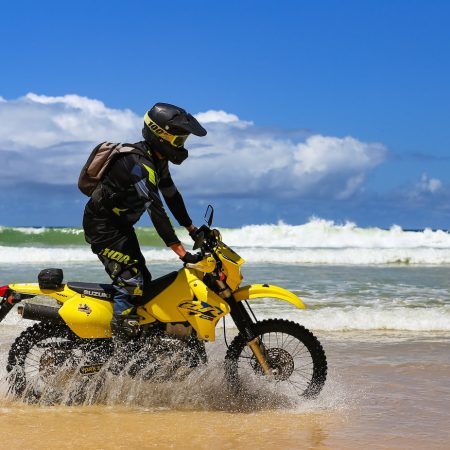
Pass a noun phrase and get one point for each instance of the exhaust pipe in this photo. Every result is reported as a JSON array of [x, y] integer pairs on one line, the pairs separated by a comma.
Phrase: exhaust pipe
[[39, 312]]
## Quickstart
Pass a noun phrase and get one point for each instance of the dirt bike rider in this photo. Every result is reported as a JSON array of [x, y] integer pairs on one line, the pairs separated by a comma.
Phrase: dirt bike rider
[[129, 188]]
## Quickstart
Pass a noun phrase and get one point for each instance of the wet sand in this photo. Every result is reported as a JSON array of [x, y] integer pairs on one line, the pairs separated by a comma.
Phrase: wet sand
[[384, 391]]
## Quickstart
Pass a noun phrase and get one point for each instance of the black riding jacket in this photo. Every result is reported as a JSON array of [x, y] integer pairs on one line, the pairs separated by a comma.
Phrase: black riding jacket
[[130, 188]]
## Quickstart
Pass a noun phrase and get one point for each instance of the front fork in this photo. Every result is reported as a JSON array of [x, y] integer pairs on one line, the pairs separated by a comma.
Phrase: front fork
[[245, 326]]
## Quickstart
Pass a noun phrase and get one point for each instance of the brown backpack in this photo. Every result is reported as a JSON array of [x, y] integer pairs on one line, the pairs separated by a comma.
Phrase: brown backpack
[[98, 162]]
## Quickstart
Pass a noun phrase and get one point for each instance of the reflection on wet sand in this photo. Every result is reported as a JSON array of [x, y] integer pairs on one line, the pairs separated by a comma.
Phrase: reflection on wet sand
[[103, 427]]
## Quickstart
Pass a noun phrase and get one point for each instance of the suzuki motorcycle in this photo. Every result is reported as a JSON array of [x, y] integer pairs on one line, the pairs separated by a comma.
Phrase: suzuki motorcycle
[[168, 337]]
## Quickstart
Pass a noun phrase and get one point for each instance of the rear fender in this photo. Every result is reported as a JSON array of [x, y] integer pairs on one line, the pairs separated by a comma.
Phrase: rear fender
[[87, 317], [60, 294], [267, 291]]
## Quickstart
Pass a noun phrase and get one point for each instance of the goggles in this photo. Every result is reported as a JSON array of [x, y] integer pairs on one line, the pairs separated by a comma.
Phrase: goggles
[[173, 139]]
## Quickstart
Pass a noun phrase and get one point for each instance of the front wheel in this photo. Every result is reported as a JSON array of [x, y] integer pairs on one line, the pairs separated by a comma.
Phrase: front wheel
[[295, 356]]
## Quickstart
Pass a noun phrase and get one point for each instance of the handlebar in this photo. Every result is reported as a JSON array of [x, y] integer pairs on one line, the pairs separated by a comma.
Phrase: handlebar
[[206, 239]]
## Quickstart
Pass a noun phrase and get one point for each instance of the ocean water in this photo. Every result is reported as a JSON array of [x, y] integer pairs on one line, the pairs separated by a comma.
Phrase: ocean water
[[351, 278], [378, 300]]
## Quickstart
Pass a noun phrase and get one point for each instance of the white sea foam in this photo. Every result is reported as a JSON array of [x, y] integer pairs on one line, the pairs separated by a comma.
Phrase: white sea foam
[[319, 233], [28, 255], [435, 319], [75, 231], [316, 242], [365, 318], [26, 230], [348, 256]]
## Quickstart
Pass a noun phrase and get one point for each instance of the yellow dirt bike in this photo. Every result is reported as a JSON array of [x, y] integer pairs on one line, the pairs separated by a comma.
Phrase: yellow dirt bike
[[168, 336]]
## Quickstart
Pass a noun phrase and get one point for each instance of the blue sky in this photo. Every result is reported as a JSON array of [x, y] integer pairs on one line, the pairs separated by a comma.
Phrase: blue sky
[[338, 109]]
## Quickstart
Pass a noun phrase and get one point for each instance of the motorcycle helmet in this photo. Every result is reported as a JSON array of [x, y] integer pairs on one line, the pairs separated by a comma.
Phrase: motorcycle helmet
[[166, 128]]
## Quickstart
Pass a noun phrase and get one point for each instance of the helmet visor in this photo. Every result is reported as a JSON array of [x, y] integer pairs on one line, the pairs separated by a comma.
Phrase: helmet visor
[[176, 140]]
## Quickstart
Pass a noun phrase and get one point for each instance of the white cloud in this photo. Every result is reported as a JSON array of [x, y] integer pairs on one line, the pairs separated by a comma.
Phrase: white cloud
[[425, 189], [47, 139], [40, 121], [429, 185], [325, 154], [243, 160], [220, 116]]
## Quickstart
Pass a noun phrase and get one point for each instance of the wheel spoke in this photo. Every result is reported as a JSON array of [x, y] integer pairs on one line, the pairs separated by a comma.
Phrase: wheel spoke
[[44, 359], [298, 389]]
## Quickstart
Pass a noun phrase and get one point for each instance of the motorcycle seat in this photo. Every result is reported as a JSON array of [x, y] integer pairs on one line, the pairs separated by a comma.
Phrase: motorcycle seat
[[107, 291], [103, 291]]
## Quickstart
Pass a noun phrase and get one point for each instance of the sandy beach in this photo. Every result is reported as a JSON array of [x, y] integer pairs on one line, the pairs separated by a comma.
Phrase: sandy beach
[[385, 391]]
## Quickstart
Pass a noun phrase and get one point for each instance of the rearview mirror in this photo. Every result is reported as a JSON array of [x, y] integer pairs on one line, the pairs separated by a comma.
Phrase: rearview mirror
[[210, 211]]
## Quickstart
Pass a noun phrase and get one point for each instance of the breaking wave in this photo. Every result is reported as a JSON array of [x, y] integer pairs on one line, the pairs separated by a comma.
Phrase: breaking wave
[[316, 242]]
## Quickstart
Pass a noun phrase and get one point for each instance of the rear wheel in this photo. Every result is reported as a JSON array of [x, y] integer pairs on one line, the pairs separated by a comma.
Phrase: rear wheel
[[295, 356], [48, 362]]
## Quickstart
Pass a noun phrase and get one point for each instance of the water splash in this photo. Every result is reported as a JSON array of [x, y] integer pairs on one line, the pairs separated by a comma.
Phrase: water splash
[[202, 389]]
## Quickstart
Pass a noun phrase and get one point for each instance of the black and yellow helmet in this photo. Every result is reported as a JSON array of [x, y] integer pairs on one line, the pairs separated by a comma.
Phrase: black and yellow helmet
[[166, 128]]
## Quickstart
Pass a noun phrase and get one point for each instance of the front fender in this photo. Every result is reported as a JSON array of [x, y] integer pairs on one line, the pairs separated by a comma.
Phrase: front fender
[[266, 290]]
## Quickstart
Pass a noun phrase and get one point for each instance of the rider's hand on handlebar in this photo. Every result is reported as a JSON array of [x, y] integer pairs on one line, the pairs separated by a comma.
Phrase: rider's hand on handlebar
[[191, 258]]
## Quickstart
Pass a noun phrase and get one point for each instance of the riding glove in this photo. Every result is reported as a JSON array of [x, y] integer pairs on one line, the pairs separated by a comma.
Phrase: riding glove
[[191, 258]]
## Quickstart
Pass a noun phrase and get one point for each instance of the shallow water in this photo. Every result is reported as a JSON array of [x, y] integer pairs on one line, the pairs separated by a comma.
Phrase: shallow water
[[339, 298], [386, 333]]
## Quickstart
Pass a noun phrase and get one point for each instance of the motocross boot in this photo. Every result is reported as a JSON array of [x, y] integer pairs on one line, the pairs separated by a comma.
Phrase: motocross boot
[[125, 322], [124, 326]]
